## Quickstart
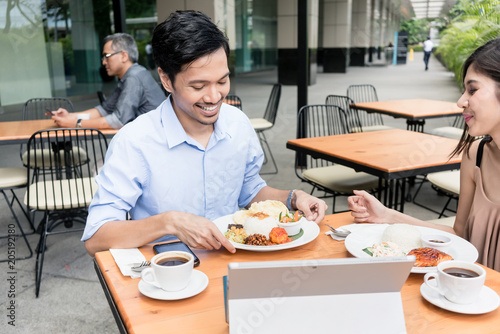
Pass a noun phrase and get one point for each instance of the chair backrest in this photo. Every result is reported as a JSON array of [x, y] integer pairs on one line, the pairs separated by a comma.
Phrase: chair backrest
[[273, 103], [233, 100], [37, 107], [65, 163], [362, 93], [353, 120], [365, 93], [317, 121]]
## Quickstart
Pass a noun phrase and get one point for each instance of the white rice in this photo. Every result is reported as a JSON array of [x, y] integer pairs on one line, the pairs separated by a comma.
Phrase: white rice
[[254, 225], [407, 237]]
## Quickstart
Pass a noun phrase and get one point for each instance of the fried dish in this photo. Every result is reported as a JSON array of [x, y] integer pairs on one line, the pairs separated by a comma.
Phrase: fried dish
[[429, 257]]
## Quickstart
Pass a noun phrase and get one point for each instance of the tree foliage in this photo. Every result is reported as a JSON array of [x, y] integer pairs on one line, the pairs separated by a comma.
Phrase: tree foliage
[[418, 30], [474, 24]]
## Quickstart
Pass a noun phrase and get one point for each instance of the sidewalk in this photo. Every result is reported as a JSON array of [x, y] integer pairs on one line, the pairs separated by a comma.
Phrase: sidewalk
[[71, 298]]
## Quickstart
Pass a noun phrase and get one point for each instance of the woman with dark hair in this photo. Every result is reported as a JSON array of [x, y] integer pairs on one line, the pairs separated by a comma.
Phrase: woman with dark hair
[[478, 213]]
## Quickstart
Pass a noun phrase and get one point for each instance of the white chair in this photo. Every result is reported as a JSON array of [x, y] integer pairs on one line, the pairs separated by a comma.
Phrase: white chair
[[267, 122], [454, 131], [446, 183], [11, 179]]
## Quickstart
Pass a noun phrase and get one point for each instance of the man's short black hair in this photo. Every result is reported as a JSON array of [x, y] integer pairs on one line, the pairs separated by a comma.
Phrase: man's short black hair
[[184, 37]]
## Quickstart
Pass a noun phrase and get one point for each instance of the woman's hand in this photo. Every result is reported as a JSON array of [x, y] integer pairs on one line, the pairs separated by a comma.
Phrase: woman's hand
[[365, 208]]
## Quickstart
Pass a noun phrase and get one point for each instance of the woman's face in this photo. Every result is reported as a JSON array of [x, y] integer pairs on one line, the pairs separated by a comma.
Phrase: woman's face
[[481, 104]]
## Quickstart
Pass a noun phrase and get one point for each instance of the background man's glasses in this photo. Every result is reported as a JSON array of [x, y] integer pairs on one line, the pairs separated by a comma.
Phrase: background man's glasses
[[107, 55]]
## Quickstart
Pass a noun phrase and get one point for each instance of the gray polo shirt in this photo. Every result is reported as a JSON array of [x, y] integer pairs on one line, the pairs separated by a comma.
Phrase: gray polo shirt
[[136, 93]]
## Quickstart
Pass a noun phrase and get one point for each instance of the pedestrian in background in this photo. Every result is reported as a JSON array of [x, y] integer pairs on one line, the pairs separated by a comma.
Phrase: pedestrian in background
[[428, 45]]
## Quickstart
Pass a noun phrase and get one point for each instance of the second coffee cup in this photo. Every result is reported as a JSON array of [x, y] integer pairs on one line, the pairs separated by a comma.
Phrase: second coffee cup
[[170, 271], [458, 281]]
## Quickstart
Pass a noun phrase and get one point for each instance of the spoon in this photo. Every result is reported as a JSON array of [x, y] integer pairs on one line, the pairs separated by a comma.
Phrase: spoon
[[339, 232]]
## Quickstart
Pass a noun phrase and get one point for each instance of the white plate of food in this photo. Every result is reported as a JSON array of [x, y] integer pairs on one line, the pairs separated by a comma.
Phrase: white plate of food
[[309, 232], [366, 235]]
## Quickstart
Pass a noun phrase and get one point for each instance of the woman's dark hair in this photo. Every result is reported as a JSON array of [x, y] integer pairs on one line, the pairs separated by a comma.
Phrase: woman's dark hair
[[184, 37], [486, 60]]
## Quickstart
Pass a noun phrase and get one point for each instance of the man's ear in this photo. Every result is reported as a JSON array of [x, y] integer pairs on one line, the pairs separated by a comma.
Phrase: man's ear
[[165, 80], [125, 57]]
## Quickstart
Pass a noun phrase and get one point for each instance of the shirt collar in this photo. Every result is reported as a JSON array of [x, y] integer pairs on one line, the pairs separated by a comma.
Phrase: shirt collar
[[176, 134]]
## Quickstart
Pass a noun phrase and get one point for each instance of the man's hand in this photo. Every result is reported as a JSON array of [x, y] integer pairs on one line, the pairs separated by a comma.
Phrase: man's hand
[[313, 208], [64, 119], [198, 232]]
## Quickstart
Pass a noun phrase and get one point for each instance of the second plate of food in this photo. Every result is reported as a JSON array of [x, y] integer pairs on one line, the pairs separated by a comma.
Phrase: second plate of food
[[366, 235]]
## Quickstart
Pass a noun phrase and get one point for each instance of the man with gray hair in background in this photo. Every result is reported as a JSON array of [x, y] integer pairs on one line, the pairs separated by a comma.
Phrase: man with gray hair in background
[[136, 93]]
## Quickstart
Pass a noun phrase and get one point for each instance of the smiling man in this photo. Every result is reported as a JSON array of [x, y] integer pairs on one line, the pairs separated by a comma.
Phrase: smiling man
[[136, 93], [191, 160]]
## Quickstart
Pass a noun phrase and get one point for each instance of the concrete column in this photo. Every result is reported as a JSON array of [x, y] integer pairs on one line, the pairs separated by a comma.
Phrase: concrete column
[[287, 41], [337, 20], [360, 32], [86, 49]]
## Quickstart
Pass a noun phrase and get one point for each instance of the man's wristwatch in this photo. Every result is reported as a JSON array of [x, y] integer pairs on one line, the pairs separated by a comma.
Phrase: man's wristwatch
[[79, 123]]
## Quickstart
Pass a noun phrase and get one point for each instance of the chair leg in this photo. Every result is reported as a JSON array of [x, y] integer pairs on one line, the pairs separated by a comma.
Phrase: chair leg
[[22, 234], [263, 141], [40, 256]]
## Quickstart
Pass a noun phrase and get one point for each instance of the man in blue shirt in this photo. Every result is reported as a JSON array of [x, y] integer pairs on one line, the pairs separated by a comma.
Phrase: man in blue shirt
[[191, 160], [136, 93]]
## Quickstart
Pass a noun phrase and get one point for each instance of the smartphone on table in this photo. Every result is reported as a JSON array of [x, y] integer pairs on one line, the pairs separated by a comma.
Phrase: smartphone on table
[[175, 246]]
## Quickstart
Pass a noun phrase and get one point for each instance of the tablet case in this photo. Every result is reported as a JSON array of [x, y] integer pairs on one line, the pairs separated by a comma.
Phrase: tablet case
[[349, 295]]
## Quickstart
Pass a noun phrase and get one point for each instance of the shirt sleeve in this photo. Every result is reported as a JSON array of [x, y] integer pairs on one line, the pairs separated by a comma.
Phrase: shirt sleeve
[[124, 103], [252, 182], [120, 184]]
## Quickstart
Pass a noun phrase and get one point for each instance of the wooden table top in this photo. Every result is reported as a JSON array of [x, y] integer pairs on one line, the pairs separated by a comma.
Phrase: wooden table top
[[391, 154], [20, 131], [204, 313], [412, 109]]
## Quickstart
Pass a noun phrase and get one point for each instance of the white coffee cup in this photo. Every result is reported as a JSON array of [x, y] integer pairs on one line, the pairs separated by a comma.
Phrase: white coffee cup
[[461, 289], [170, 271]]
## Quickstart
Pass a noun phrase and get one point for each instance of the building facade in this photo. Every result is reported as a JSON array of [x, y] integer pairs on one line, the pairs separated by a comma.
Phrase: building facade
[[54, 49]]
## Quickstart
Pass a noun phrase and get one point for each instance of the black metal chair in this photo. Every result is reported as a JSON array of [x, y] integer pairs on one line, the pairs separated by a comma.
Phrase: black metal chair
[[367, 93], [334, 179], [233, 100], [63, 192], [10, 180], [353, 120], [36, 108], [267, 122], [446, 183]]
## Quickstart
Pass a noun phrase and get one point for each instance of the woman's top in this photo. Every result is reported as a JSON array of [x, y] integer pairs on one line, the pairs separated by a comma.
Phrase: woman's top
[[482, 228]]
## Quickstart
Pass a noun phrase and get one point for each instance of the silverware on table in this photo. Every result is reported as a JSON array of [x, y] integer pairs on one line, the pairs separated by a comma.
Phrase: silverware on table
[[140, 266], [340, 233]]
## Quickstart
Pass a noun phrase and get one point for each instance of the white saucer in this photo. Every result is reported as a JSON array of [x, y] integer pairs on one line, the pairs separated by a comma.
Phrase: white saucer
[[198, 283], [488, 301]]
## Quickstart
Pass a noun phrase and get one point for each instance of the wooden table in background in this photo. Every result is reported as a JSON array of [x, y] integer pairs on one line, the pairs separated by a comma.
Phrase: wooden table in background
[[393, 155], [17, 132], [204, 313], [415, 111]]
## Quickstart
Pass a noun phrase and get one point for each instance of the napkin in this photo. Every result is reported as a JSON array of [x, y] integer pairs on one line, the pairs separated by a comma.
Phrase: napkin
[[124, 258], [334, 236]]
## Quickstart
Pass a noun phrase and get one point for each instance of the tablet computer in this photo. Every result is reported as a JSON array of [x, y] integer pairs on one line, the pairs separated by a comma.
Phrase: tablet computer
[[349, 295]]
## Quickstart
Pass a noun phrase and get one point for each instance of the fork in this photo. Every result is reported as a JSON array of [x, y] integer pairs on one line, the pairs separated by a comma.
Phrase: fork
[[140, 266], [338, 232]]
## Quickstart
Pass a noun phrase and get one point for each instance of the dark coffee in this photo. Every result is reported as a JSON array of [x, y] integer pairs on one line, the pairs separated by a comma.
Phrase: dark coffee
[[461, 272], [172, 261]]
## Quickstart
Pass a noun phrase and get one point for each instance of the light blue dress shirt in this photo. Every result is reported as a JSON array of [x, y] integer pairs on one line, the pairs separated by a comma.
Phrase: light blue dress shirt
[[153, 166]]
